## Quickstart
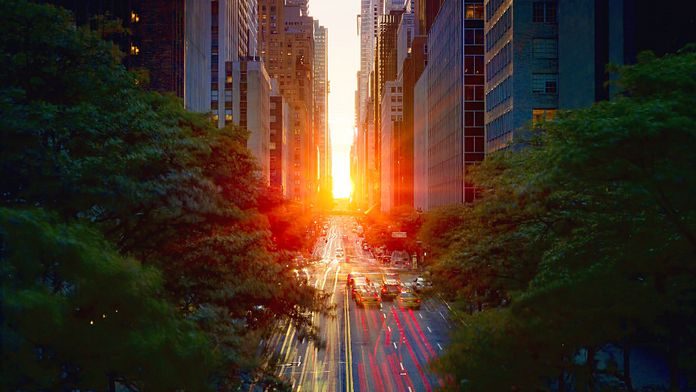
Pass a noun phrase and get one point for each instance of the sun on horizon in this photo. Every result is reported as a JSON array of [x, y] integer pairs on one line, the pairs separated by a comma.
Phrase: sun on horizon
[[342, 183]]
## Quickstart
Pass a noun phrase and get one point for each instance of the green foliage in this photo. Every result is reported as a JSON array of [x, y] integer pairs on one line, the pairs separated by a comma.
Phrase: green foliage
[[81, 139], [77, 314], [584, 238], [379, 228]]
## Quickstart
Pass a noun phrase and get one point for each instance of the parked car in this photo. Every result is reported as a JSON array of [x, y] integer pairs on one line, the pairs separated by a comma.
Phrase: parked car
[[420, 283], [408, 299]]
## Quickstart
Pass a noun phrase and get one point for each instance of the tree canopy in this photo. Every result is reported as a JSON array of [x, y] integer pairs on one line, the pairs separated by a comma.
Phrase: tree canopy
[[163, 187], [584, 238]]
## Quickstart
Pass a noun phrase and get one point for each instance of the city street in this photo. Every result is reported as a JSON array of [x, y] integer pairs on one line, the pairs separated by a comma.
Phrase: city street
[[366, 349]]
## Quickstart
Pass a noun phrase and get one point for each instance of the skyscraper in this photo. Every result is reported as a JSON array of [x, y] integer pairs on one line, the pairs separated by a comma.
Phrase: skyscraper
[[425, 12], [232, 31], [286, 45], [167, 40], [384, 70], [364, 180], [321, 104], [455, 101], [251, 89], [542, 56], [279, 161], [391, 120]]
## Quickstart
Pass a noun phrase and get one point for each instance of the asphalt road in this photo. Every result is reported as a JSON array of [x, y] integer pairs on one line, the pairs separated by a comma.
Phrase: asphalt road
[[366, 349]]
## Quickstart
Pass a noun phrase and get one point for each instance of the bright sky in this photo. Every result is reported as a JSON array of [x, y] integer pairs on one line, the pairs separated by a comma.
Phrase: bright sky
[[340, 17]]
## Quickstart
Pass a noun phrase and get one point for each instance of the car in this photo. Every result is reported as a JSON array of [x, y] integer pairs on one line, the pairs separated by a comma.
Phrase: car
[[391, 276], [400, 257], [408, 299], [367, 296], [391, 286], [358, 282], [419, 284], [352, 276], [390, 291]]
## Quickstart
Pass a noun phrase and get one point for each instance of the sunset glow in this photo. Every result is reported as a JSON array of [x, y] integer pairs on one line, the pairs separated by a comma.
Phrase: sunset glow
[[342, 184], [344, 62]]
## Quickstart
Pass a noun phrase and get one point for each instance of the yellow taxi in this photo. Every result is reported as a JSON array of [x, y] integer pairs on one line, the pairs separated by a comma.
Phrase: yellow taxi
[[408, 299]]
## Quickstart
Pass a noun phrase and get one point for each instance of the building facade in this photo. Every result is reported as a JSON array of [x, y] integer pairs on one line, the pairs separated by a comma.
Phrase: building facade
[[365, 174], [279, 160], [455, 101], [384, 71], [321, 106], [390, 140], [420, 143], [425, 12], [412, 69], [542, 56], [286, 45], [251, 89]]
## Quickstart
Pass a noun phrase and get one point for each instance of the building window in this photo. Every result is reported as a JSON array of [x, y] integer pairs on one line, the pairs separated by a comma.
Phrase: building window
[[541, 115], [473, 65], [474, 11], [545, 83], [545, 49], [473, 36], [544, 12]]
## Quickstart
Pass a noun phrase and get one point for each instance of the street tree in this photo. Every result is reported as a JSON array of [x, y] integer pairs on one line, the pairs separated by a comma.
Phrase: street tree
[[583, 239]]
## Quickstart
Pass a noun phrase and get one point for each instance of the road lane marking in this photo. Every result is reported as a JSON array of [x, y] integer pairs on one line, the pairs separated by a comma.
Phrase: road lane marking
[[394, 343], [409, 389], [402, 365], [349, 354], [429, 330], [420, 315], [285, 342], [389, 328], [443, 316], [440, 347]]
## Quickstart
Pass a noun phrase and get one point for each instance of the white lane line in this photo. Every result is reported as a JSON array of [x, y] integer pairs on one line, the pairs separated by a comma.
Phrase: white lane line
[[420, 315], [429, 330], [402, 365], [394, 343], [384, 315], [409, 389], [389, 328], [440, 347], [443, 316]]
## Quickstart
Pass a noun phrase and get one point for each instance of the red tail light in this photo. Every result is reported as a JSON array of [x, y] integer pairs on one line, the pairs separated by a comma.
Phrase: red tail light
[[417, 300]]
